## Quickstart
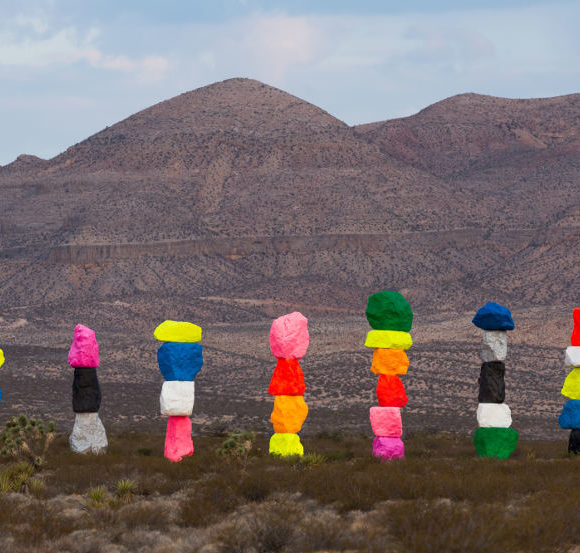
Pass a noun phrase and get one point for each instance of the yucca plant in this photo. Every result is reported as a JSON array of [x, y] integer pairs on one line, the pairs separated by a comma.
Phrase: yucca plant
[[27, 438], [237, 446]]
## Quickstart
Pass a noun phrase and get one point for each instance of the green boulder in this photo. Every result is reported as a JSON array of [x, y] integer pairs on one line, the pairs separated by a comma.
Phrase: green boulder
[[389, 310], [495, 442]]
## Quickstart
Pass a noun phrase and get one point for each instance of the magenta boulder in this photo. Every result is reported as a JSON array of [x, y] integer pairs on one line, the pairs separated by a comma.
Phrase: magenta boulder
[[388, 448], [84, 351]]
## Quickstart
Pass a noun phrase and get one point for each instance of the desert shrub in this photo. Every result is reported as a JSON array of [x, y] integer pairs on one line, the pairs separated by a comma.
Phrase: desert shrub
[[125, 490], [39, 521], [264, 528], [237, 446], [313, 460], [36, 488], [14, 478], [28, 439], [435, 526], [149, 515], [98, 496], [322, 530], [253, 487], [209, 500], [546, 521]]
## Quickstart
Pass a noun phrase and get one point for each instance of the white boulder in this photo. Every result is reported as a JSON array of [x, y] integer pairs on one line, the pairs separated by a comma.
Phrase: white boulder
[[495, 415], [88, 434], [494, 346], [177, 398], [573, 356]]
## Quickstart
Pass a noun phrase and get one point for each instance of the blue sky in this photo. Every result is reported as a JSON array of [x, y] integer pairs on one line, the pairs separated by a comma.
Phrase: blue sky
[[68, 68]]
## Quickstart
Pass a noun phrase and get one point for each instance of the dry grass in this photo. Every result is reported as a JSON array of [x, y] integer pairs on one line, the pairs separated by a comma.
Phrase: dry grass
[[338, 498]]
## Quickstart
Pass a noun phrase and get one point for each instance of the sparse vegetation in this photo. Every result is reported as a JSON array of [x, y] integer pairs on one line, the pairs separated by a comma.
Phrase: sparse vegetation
[[27, 438], [336, 498]]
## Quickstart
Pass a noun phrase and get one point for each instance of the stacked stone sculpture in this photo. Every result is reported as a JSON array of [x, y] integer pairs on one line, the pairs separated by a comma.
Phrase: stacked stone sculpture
[[180, 358], [288, 342], [1, 363], [88, 434], [494, 437], [570, 416], [391, 318]]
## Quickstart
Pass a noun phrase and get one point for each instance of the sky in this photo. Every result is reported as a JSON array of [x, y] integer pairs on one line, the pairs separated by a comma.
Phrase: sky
[[69, 68]]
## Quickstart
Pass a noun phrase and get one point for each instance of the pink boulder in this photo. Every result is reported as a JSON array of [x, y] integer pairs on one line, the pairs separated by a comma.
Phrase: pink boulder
[[388, 448], [386, 422], [84, 351], [289, 336], [178, 443]]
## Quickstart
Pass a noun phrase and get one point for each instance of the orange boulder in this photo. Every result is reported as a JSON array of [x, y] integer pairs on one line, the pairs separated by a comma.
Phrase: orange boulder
[[390, 361], [391, 392], [288, 379], [289, 414]]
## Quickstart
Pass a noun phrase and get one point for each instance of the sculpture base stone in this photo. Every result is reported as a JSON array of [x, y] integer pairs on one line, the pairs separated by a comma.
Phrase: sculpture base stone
[[178, 442], [286, 445], [495, 442], [88, 434], [388, 449]]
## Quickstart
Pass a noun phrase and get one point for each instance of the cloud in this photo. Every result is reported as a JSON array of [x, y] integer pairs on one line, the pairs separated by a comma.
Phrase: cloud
[[29, 42], [359, 66]]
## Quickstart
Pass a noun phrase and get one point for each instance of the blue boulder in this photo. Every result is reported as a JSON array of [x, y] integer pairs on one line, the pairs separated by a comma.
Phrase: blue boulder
[[570, 416], [180, 360], [493, 316]]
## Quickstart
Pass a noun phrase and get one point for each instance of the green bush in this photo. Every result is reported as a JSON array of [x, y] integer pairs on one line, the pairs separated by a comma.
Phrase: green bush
[[27, 438]]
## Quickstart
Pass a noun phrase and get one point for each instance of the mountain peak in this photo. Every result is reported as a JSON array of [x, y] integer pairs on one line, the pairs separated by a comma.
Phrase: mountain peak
[[168, 134]]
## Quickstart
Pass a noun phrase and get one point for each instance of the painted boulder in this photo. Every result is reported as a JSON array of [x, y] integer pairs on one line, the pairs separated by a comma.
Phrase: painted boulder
[[574, 442], [570, 416], [391, 392], [180, 361], [177, 398], [386, 421], [289, 336], [492, 382], [84, 351], [575, 338], [388, 449], [86, 390], [571, 388], [289, 414], [389, 361], [177, 331], [495, 442], [494, 415], [572, 356], [287, 379], [388, 339], [286, 445], [178, 442], [389, 310], [493, 316]]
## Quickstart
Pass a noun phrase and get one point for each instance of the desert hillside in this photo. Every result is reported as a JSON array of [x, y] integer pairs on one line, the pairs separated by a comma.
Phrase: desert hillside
[[237, 202]]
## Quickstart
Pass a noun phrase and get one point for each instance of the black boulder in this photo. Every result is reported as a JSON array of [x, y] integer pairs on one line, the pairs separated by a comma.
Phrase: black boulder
[[492, 383], [574, 443], [86, 390]]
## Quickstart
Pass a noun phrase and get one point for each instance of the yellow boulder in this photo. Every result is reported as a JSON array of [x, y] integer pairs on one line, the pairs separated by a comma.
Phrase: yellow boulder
[[390, 361], [388, 339], [286, 445], [571, 388], [1, 358], [289, 414], [178, 331]]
